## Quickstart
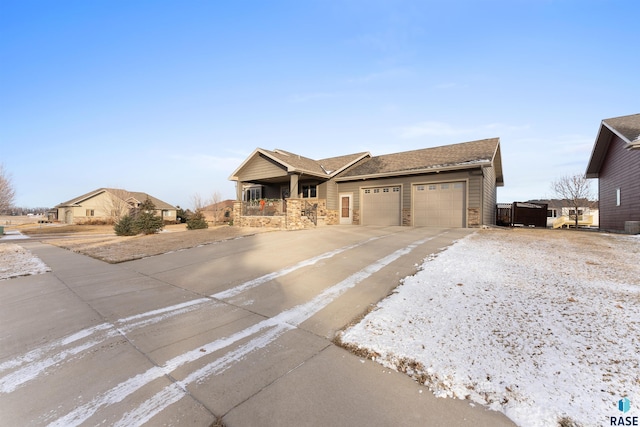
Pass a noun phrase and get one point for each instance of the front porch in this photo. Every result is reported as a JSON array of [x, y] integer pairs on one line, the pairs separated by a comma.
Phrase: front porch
[[283, 214]]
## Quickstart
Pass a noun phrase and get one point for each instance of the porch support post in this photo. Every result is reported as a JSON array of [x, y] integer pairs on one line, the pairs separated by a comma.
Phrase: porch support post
[[239, 190], [293, 186]]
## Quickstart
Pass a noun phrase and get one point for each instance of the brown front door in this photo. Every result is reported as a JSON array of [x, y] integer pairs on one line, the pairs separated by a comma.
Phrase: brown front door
[[346, 208]]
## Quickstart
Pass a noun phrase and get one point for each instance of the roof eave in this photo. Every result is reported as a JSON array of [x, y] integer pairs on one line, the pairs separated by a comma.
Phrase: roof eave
[[234, 175], [429, 170], [290, 169], [496, 162], [600, 148], [635, 145]]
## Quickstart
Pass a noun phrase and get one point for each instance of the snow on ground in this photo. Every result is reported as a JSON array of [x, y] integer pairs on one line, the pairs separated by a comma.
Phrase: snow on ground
[[542, 325], [16, 261]]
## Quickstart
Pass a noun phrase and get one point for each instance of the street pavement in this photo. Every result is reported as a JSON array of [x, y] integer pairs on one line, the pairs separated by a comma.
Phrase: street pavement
[[238, 332]]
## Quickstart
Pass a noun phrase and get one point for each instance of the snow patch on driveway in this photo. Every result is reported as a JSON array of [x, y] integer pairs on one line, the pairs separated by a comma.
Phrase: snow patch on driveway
[[16, 261], [539, 328]]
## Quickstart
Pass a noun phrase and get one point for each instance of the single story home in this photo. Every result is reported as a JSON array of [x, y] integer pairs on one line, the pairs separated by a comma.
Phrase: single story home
[[447, 186], [106, 205], [561, 213], [219, 213], [615, 162]]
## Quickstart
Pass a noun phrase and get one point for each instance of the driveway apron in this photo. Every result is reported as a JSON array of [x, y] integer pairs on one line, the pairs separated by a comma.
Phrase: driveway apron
[[239, 331]]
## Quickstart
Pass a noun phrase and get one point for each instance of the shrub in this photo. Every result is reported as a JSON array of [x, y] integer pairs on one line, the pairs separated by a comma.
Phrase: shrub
[[125, 226], [146, 221], [196, 221]]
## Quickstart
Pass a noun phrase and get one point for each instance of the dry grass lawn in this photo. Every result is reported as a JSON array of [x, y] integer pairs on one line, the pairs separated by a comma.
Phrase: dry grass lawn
[[95, 242]]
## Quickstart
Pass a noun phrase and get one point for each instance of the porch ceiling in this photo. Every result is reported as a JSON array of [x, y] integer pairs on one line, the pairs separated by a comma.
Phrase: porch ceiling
[[267, 181]]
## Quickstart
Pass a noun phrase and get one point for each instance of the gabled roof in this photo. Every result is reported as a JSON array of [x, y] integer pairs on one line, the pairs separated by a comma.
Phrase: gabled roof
[[76, 201], [123, 194], [481, 153], [141, 197], [626, 128], [295, 163]]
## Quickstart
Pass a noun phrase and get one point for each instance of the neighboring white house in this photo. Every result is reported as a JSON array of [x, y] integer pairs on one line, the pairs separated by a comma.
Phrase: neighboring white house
[[561, 214]]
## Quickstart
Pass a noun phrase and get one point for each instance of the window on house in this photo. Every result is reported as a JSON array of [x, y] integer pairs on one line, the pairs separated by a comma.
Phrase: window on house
[[618, 197], [90, 212], [253, 193], [309, 191]]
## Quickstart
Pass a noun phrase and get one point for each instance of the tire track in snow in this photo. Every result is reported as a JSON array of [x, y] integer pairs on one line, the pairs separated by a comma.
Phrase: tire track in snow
[[40, 359], [275, 327]]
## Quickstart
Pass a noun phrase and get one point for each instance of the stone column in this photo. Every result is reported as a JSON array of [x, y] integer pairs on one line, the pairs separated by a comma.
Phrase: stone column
[[237, 213]]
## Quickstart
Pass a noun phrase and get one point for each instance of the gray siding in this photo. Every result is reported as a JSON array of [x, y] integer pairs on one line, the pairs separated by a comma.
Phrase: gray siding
[[330, 193], [490, 197], [259, 168], [473, 180]]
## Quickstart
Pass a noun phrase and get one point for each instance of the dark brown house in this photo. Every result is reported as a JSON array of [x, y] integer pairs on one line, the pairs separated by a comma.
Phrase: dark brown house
[[615, 161]]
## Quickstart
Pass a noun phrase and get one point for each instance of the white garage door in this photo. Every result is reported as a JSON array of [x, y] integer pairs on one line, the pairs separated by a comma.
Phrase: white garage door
[[439, 205], [381, 206]]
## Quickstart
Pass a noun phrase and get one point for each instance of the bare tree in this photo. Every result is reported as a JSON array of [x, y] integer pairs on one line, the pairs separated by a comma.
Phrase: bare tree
[[576, 189], [216, 198], [7, 191], [198, 202], [115, 204]]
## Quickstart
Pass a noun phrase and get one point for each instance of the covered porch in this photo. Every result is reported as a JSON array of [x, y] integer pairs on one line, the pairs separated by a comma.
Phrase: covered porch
[[268, 203]]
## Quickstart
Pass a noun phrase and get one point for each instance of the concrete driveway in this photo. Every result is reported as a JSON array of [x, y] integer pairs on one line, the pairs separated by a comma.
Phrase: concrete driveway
[[238, 332]]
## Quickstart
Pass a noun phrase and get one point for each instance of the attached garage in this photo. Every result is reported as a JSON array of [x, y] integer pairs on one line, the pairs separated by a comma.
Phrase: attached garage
[[439, 204], [381, 205]]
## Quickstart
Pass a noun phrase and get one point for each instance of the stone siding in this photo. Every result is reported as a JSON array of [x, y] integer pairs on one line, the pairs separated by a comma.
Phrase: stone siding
[[406, 217], [473, 217], [292, 220], [331, 217]]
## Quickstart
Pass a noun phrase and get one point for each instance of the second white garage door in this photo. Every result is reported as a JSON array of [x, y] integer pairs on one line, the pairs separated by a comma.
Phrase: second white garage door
[[381, 206], [439, 205]]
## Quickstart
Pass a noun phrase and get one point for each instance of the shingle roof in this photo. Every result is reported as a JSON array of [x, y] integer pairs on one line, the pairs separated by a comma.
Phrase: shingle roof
[[141, 197], [444, 157], [123, 194], [296, 163], [625, 127]]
